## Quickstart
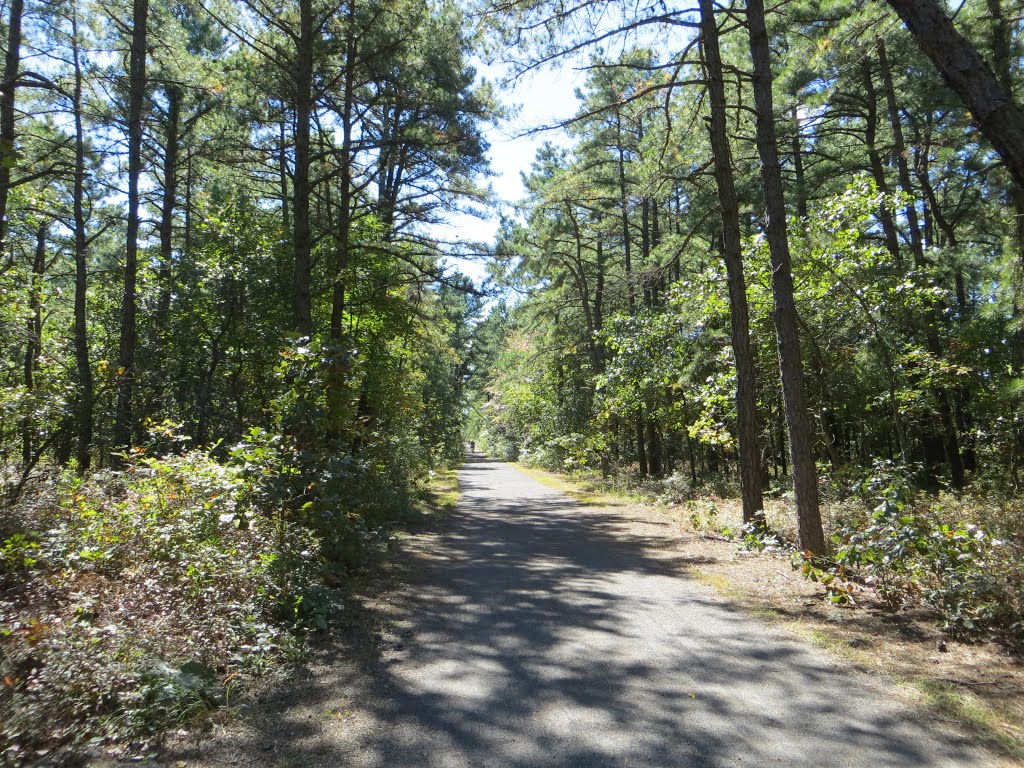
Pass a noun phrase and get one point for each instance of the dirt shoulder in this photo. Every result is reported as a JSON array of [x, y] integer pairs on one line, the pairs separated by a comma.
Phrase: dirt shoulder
[[977, 687]]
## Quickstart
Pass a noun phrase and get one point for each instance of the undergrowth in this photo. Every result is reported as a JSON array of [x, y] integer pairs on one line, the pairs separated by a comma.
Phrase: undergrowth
[[961, 556], [134, 600]]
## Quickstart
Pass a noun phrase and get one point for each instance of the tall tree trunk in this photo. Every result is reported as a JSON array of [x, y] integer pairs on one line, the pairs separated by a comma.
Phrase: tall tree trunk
[[641, 449], [899, 150], [345, 180], [654, 457], [168, 203], [1002, 37], [205, 394], [577, 268], [692, 461], [302, 235], [969, 77], [645, 250], [800, 185], [82, 363], [624, 215], [34, 339], [337, 366], [805, 474], [923, 174], [599, 304], [638, 431], [662, 285], [187, 207], [126, 349], [892, 243], [949, 438], [282, 171], [12, 65], [747, 427]]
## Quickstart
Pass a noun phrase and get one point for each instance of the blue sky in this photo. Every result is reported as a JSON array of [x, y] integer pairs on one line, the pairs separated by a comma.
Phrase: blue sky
[[544, 98]]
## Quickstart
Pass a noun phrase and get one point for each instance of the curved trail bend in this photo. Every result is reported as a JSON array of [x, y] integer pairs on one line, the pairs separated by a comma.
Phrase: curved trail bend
[[542, 633]]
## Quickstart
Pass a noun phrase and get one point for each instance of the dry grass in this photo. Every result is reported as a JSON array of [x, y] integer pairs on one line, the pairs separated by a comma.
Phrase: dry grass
[[584, 492]]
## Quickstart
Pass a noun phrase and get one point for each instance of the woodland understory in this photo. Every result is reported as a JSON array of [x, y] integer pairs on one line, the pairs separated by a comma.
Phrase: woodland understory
[[779, 257]]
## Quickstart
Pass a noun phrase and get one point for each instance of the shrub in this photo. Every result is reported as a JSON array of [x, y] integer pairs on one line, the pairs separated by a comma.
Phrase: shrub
[[141, 598], [910, 551]]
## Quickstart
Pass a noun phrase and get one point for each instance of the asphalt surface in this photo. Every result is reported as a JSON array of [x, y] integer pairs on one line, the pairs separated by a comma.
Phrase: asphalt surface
[[543, 633]]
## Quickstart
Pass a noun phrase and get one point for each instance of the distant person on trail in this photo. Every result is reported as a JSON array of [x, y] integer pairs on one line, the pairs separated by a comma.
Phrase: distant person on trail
[[472, 446]]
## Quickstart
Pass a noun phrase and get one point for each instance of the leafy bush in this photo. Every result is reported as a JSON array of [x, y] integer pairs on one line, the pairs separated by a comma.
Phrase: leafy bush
[[144, 597], [702, 514], [136, 599], [324, 472], [911, 552]]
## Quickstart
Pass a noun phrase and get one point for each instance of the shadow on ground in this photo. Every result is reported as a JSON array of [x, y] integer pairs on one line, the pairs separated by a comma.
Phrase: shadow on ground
[[538, 633]]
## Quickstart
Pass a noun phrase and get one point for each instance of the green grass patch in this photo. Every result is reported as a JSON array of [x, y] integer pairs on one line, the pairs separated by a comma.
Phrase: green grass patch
[[579, 489], [838, 646], [439, 496], [718, 582], [984, 721]]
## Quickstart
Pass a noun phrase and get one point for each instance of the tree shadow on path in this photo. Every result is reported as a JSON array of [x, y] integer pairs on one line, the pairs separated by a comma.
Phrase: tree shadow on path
[[541, 633]]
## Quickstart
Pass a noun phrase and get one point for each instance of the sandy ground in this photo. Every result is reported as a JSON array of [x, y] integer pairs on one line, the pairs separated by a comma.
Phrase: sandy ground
[[532, 631]]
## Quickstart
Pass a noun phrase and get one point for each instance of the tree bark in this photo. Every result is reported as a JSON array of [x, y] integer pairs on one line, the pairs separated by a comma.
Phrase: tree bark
[[800, 186], [598, 311], [338, 366], [282, 170], [624, 215], [187, 207], [805, 474], [34, 338], [12, 65], [577, 268], [302, 234], [892, 243], [1002, 36], [82, 363], [747, 427], [645, 250], [168, 202], [899, 150], [345, 180], [655, 463], [969, 77], [126, 348], [641, 449]]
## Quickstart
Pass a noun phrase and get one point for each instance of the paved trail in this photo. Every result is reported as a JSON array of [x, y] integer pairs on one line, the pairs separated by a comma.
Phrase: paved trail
[[546, 634]]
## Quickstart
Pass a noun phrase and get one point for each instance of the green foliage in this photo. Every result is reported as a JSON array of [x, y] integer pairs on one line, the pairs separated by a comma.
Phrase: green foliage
[[18, 552], [298, 473], [139, 594], [152, 593], [908, 552], [755, 536], [702, 514], [616, 355]]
